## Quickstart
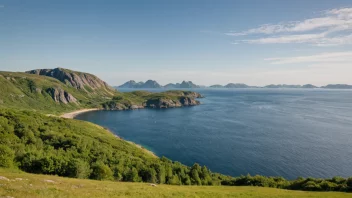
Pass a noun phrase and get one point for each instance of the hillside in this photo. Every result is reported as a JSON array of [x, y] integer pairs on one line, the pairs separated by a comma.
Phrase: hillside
[[45, 94], [89, 83], [42, 186], [54, 91]]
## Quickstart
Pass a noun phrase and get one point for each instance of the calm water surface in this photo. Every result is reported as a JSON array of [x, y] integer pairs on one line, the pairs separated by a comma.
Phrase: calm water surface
[[273, 132]]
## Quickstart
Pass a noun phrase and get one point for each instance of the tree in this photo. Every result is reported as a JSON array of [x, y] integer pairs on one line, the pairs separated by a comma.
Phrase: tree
[[195, 174], [132, 175], [205, 176], [101, 172], [6, 156], [79, 169]]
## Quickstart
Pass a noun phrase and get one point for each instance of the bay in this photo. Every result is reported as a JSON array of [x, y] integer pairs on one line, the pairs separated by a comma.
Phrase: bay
[[272, 132]]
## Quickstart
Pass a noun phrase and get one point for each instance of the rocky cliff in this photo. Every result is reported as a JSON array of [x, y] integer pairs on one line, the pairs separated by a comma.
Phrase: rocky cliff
[[78, 80], [61, 96]]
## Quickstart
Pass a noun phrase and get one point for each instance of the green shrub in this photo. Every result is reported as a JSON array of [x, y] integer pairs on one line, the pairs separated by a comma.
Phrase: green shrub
[[6, 156], [101, 171]]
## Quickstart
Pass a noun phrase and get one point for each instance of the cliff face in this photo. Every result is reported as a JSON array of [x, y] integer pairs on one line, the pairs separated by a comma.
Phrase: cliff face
[[61, 96], [162, 103], [78, 80]]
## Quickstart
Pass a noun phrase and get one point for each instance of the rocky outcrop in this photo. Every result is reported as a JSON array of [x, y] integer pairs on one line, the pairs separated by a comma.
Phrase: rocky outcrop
[[187, 101], [191, 94], [61, 96], [162, 103], [78, 80]]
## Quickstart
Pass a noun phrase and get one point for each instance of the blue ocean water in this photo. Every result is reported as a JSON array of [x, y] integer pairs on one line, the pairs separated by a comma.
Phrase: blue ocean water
[[272, 132]]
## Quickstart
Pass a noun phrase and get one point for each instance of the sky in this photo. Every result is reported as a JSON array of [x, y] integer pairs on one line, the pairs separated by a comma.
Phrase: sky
[[257, 42]]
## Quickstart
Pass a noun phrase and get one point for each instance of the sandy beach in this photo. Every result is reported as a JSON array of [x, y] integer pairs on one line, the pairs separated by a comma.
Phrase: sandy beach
[[71, 115]]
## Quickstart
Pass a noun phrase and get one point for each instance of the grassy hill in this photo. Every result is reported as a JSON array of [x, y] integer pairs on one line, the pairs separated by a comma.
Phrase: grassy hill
[[45, 186], [34, 92]]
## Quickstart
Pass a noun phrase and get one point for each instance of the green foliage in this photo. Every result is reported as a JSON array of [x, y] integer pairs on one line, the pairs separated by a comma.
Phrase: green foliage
[[50, 145], [6, 156], [101, 172], [29, 92], [72, 148]]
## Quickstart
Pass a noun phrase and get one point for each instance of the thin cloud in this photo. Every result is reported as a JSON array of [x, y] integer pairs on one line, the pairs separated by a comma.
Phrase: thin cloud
[[336, 57], [302, 38], [327, 30]]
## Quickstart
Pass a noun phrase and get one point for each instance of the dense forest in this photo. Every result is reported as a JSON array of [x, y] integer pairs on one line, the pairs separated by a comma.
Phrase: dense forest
[[37, 143]]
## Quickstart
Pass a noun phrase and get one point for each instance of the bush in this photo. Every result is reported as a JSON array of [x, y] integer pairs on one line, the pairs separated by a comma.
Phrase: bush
[[6, 156], [101, 172]]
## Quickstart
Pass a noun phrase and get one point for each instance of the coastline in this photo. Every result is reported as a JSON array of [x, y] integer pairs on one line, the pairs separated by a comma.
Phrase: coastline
[[73, 114]]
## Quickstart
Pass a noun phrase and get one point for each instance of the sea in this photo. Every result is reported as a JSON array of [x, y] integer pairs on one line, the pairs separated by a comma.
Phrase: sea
[[271, 132]]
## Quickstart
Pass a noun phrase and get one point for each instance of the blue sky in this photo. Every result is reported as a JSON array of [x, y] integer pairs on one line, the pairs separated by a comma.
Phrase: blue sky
[[208, 42]]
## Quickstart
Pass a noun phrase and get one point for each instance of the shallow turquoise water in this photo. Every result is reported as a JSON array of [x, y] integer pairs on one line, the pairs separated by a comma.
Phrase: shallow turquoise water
[[273, 132]]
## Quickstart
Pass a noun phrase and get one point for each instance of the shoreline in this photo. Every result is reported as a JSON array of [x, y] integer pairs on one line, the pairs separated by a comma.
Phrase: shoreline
[[73, 114]]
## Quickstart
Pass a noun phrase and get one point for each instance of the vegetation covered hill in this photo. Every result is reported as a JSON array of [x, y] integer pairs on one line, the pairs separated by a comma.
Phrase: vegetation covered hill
[[44, 186], [42, 144], [44, 94], [54, 91]]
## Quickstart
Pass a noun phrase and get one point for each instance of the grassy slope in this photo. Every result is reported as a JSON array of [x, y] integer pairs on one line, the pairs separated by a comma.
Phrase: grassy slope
[[35, 186], [24, 91], [15, 92]]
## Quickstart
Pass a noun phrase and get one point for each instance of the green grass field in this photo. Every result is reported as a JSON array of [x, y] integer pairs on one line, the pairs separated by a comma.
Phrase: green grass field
[[22, 184]]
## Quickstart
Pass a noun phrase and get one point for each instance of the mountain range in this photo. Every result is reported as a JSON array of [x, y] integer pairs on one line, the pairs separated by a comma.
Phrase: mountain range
[[189, 84], [154, 84]]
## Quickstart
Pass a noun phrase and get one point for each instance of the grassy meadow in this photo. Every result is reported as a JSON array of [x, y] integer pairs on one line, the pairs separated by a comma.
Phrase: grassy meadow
[[22, 184]]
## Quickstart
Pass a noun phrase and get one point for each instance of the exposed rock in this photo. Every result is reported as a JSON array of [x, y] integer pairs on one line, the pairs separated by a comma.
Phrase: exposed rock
[[136, 107], [185, 93], [49, 181], [78, 80], [161, 103], [61, 96], [4, 178], [186, 101]]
